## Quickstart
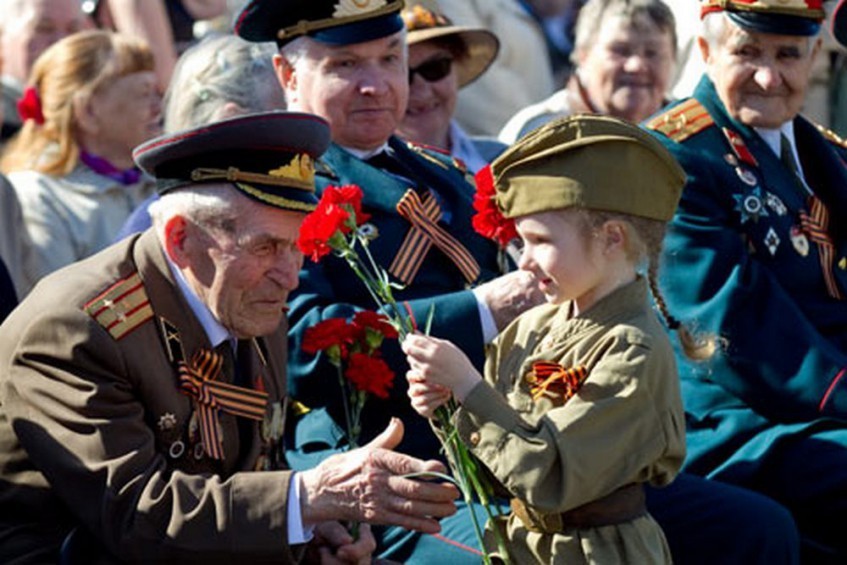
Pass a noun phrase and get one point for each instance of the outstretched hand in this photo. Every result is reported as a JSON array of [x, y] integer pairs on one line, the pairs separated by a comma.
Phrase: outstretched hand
[[368, 485]]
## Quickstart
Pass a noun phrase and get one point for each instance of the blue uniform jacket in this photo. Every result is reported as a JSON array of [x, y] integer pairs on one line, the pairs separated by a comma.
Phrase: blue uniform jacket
[[738, 263], [330, 289]]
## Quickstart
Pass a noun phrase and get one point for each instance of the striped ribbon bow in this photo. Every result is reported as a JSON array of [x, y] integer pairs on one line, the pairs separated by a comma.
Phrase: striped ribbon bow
[[552, 380], [815, 225], [199, 380], [424, 215]]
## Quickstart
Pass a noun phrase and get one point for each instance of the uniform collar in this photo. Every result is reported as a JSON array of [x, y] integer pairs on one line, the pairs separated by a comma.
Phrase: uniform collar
[[216, 333], [363, 155], [772, 136]]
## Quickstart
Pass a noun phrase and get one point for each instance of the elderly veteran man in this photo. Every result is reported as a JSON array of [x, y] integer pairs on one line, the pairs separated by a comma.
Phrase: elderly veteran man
[[757, 255], [143, 392], [346, 61]]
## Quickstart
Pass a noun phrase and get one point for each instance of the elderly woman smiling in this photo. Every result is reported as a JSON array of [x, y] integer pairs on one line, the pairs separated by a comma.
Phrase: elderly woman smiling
[[623, 57], [442, 59]]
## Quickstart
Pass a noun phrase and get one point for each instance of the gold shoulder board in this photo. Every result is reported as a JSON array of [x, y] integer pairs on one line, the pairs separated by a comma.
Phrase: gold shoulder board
[[682, 121], [122, 307], [831, 136]]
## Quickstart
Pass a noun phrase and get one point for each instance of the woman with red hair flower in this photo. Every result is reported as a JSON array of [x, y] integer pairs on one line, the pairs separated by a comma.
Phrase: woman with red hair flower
[[91, 99]]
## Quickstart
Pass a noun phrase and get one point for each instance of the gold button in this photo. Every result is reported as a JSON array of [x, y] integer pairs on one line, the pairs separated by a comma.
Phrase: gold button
[[530, 377], [474, 439], [843, 263]]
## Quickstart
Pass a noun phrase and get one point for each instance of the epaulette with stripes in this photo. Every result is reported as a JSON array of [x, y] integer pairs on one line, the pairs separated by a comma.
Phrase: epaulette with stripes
[[831, 136], [122, 307], [682, 121], [434, 155]]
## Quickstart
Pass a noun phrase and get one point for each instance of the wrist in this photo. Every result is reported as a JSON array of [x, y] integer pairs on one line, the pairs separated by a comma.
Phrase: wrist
[[465, 386]]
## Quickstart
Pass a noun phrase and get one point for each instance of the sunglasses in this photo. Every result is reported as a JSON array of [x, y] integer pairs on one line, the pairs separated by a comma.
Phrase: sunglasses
[[432, 70]]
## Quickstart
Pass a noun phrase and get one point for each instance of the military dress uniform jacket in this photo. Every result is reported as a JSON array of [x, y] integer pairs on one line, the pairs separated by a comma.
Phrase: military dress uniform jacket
[[94, 431], [330, 289], [624, 426], [741, 261]]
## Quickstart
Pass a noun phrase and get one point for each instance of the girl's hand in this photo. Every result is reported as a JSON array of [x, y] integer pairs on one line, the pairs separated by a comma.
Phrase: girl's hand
[[439, 362], [425, 397]]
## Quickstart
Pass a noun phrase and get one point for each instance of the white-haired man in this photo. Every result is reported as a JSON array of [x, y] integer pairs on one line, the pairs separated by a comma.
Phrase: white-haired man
[[757, 255], [143, 396]]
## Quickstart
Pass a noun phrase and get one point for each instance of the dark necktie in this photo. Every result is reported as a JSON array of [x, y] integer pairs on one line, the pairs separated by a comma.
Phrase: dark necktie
[[786, 155], [388, 163]]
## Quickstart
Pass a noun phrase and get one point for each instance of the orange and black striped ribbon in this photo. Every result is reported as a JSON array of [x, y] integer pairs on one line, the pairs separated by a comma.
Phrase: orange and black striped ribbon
[[199, 380], [551, 379], [424, 216], [815, 225]]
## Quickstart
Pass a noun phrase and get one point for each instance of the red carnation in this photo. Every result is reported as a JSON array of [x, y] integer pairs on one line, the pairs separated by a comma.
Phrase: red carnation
[[338, 213], [333, 332], [369, 374], [370, 320], [319, 228], [489, 221], [347, 196]]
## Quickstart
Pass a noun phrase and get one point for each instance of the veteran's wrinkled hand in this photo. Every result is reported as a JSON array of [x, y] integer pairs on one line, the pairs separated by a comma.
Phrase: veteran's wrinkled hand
[[366, 485], [510, 295]]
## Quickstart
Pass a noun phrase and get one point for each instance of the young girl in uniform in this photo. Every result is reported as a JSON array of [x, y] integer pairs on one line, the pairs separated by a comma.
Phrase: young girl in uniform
[[580, 402]]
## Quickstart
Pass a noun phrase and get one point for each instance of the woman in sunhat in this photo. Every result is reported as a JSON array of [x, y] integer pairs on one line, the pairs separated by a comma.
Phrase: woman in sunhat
[[442, 59]]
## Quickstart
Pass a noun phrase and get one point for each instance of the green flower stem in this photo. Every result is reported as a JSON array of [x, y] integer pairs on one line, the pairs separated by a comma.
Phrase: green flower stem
[[345, 402], [464, 467]]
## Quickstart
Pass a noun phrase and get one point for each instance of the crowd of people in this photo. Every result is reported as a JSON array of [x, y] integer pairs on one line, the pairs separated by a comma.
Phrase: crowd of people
[[634, 294]]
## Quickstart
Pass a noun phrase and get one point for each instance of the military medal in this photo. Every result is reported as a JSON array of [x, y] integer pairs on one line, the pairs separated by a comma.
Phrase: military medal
[[167, 421], [772, 241], [176, 450], [799, 241], [746, 176], [774, 203], [750, 205]]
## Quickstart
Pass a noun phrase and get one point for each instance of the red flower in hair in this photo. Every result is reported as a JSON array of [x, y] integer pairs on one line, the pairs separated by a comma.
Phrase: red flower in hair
[[488, 220], [338, 213], [369, 374], [29, 106]]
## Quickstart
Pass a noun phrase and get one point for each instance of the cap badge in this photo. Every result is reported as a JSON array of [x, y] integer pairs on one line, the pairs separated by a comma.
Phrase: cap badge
[[347, 8], [301, 168]]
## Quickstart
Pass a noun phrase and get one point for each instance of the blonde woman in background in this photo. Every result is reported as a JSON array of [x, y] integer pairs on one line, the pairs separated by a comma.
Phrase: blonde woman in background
[[90, 100]]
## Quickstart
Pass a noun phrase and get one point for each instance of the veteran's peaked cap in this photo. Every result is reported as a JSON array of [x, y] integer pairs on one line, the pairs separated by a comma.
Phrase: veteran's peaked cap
[[782, 17], [268, 157], [336, 22]]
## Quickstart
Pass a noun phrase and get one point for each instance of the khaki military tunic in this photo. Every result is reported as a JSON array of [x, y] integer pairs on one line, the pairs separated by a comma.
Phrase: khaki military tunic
[[624, 426], [95, 433]]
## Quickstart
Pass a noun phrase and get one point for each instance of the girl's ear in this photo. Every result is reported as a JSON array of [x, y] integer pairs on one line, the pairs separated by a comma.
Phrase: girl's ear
[[614, 236]]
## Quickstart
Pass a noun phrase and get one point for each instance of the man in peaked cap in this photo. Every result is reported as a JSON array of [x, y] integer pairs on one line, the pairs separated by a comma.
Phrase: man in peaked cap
[[756, 255], [347, 62], [143, 393]]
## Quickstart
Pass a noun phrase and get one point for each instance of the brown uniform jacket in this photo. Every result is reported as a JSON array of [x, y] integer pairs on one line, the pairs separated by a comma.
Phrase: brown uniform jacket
[[95, 432], [624, 426]]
